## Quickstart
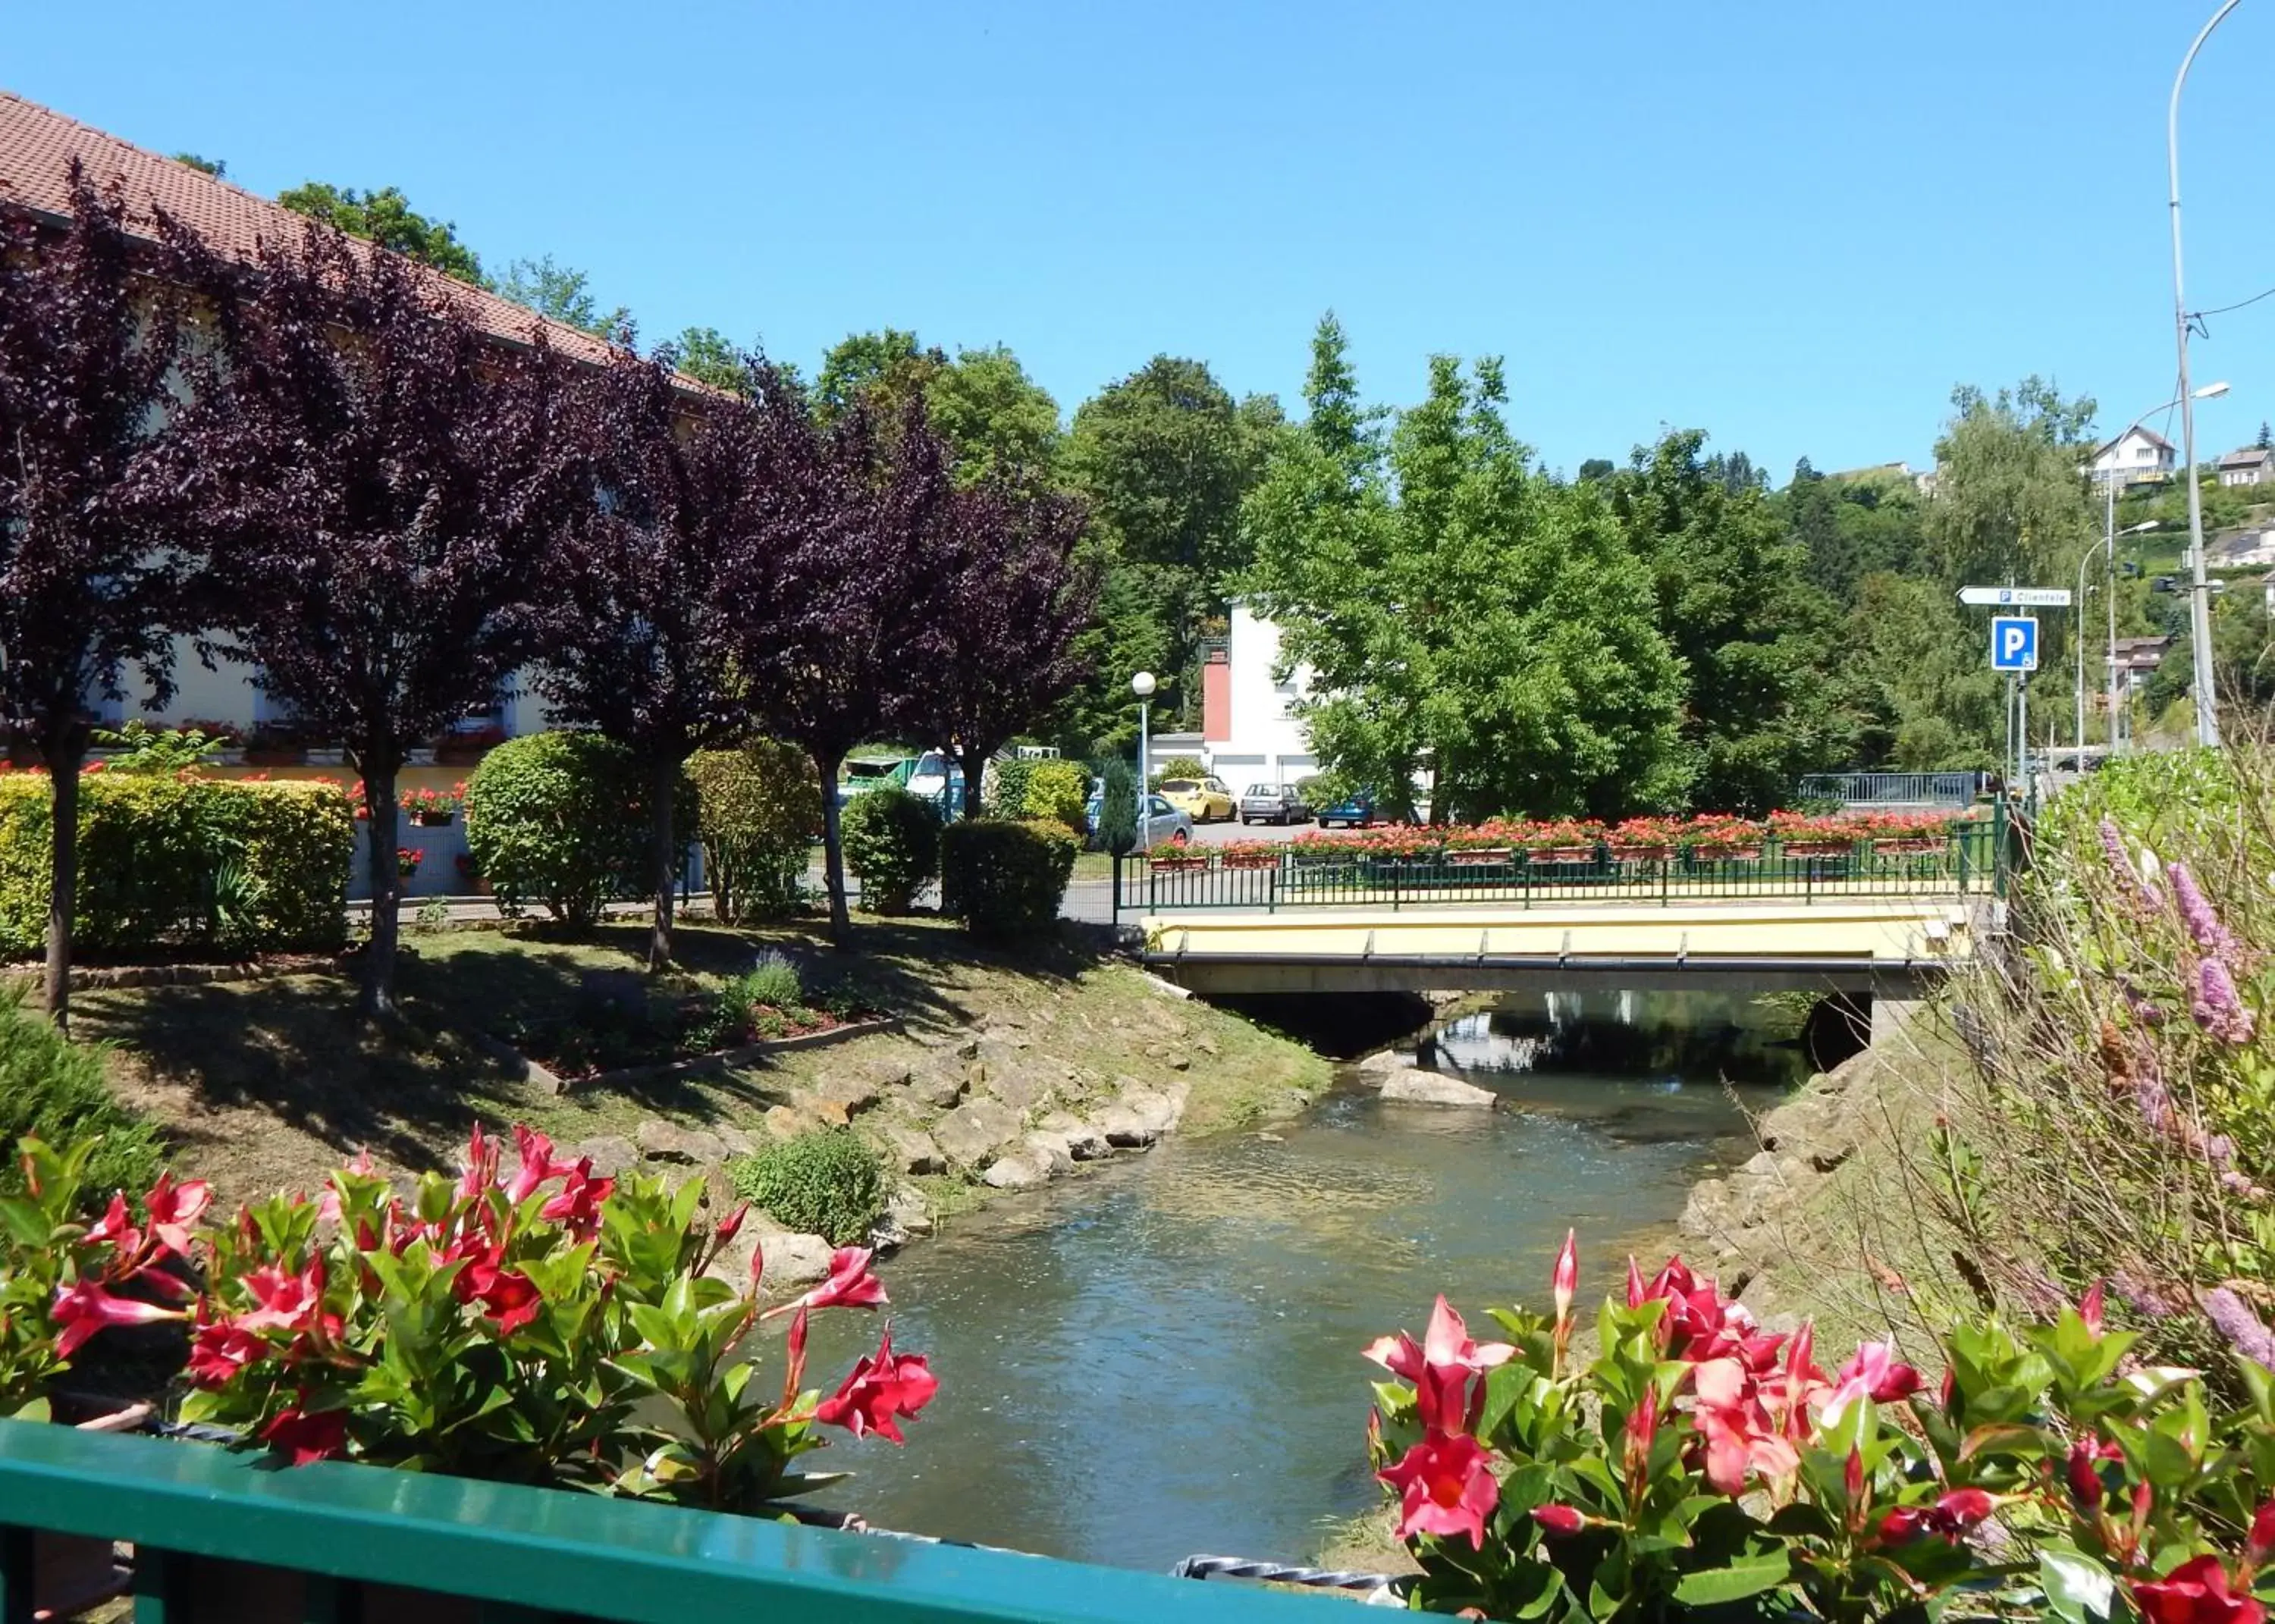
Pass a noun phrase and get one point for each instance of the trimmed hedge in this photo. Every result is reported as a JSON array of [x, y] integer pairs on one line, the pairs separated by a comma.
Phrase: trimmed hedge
[[1005, 881], [892, 846], [757, 812], [560, 819], [237, 865], [1058, 791]]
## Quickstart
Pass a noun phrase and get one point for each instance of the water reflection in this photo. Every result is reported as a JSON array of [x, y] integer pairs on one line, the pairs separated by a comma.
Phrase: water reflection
[[1162, 1358]]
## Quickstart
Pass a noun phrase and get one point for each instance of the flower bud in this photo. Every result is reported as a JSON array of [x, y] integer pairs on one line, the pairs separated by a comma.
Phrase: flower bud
[[1559, 1518]]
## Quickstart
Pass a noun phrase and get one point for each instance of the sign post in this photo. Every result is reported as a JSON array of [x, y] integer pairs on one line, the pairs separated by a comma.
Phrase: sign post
[[2015, 650]]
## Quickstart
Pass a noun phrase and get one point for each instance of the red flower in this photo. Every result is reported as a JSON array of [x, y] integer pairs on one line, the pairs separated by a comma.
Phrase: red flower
[[1950, 1517], [221, 1349], [849, 1285], [2195, 1592], [511, 1298], [879, 1391], [116, 1228], [2089, 1310], [306, 1436], [2263, 1534], [2083, 1472], [578, 1204], [728, 1228], [174, 1207], [536, 1165], [481, 1165], [1559, 1518], [1440, 1365], [1445, 1487], [287, 1302], [84, 1308]]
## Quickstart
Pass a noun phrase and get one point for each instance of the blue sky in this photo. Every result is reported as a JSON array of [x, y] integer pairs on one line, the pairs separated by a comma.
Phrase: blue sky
[[1795, 225]]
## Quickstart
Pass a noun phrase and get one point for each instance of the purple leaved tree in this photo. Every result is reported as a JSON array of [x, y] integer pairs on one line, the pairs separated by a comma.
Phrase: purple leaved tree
[[381, 488], [852, 535], [91, 577], [1016, 601], [660, 588]]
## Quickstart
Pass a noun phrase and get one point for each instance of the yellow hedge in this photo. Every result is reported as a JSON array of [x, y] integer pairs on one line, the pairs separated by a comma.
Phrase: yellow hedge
[[237, 865]]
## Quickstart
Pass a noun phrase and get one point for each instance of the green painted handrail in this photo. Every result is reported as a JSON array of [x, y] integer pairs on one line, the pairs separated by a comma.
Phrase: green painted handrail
[[540, 1552]]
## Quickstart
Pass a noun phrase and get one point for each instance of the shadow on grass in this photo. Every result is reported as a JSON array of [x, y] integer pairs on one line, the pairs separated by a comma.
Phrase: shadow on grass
[[294, 1048]]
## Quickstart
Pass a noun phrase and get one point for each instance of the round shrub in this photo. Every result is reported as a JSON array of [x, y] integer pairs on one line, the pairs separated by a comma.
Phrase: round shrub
[[892, 846], [1006, 880], [1057, 790], [758, 810], [560, 819], [828, 1184]]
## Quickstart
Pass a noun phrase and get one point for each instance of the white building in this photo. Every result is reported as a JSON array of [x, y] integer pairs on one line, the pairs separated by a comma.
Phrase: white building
[[2251, 465], [1249, 730], [2135, 455]]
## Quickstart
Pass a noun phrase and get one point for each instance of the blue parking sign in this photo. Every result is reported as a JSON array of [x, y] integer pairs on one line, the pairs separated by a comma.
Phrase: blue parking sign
[[2013, 643]]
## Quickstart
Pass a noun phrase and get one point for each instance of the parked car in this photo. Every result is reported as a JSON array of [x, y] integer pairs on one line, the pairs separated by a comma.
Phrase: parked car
[[1165, 825], [1356, 811], [1206, 799], [938, 779], [1273, 804]]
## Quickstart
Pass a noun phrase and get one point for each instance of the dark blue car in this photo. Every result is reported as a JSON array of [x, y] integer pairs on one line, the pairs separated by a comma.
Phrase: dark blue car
[[1355, 811]]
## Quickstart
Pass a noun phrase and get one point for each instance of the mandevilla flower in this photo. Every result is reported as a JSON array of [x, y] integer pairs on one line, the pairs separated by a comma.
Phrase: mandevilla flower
[[84, 1308], [308, 1435], [1875, 1373], [287, 1302], [537, 1165], [849, 1283], [577, 1207], [1565, 1279], [878, 1390], [2195, 1592], [221, 1349], [1440, 1365], [1559, 1518], [174, 1207], [1445, 1487], [2082, 1472], [1950, 1517]]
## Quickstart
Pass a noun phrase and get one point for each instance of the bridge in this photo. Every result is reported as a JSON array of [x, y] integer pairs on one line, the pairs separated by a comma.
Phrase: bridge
[[1878, 919]]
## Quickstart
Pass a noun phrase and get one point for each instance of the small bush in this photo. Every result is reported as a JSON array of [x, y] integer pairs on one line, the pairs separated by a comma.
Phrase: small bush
[[772, 980], [1180, 766], [560, 819], [828, 1184], [892, 846], [1006, 880], [1117, 812], [1057, 790], [240, 865], [1007, 787], [54, 1091], [758, 811]]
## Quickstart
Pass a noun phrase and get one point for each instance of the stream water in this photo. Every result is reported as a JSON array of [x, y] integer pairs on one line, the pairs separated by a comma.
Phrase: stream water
[[1162, 1358]]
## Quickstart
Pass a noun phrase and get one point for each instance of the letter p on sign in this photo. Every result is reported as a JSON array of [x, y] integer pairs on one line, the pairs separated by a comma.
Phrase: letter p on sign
[[2013, 643]]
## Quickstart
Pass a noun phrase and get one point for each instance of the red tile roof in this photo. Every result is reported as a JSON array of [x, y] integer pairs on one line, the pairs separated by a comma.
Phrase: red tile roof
[[37, 145]]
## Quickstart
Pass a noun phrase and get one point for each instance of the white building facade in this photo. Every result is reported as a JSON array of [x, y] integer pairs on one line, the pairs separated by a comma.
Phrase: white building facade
[[2135, 455], [1249, 732]]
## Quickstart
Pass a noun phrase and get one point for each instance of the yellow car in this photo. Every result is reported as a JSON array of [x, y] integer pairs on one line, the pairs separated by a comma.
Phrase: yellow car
[[1203, 800]]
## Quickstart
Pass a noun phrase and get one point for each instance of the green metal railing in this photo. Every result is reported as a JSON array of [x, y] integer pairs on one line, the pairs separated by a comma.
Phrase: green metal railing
[[216, 1535], [1970, 861]]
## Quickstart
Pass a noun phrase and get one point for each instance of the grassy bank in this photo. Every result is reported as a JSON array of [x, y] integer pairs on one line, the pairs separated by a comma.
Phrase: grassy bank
[[265, 1084]]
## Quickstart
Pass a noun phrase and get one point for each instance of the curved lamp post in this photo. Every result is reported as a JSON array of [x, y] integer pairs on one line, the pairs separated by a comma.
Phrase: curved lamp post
[[1143, 686], [2199, 597]]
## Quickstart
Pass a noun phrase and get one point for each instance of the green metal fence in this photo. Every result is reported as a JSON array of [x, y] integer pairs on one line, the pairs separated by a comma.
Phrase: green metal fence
[[218, 1536], [1966, 862]]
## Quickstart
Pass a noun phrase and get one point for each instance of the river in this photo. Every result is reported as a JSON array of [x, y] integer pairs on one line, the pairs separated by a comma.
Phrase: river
[[1162, 1358]]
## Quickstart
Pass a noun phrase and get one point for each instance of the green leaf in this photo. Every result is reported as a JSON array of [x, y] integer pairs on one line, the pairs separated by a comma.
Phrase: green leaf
[[2003, 1437], [1747, 1576], [2078, 1589]]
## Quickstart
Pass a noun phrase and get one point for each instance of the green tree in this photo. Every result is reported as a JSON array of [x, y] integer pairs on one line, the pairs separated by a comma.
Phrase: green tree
[[1917, 669], [999, 420], [1166, 457], [708, 355], [386, 217], [1460, 610], [563, 294], [218, 168], [1735, 603], [2011, 503], [1851, 526]]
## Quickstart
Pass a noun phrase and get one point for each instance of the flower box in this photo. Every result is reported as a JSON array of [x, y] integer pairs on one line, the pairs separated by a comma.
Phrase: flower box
[[1249, 859], [1819, 847], [1728, 853], [1562, 854], [1911, 845], [1177, 865], [1480, 856], [1644, 854], [433, 819]]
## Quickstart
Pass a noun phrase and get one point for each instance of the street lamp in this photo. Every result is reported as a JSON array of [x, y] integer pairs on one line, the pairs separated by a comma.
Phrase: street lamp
[[2199, 596], [1143, 686]]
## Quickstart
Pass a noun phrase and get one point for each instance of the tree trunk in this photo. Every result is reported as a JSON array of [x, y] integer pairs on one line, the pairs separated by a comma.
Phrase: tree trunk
[[65, 748], [833, 849], [661, 869], [379, 776], [974, 764]]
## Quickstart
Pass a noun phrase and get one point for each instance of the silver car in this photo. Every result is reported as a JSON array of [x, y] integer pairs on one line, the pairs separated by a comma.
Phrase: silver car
[[1165, 825]]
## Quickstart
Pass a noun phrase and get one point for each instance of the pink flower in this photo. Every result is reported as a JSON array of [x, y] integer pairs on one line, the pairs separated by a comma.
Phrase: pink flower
[[1565, 1279], [84, 1308], [2197, 913], [1949, 1518], [220, 1350], [1739, 1438], [1445, 1487], [481, 1166], [287, 1302], [2195, 1592], [1559, 1518], [2089, 1309], [174, 1207], [535, 1151], [2240, 1325], [2138, 892], [2216, 1008], [577, 1205], [116, 1228], [849, 1285], [1875, 1373], [879, 1391], [1440, 1365], [308, 1436], [728, 1228]]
